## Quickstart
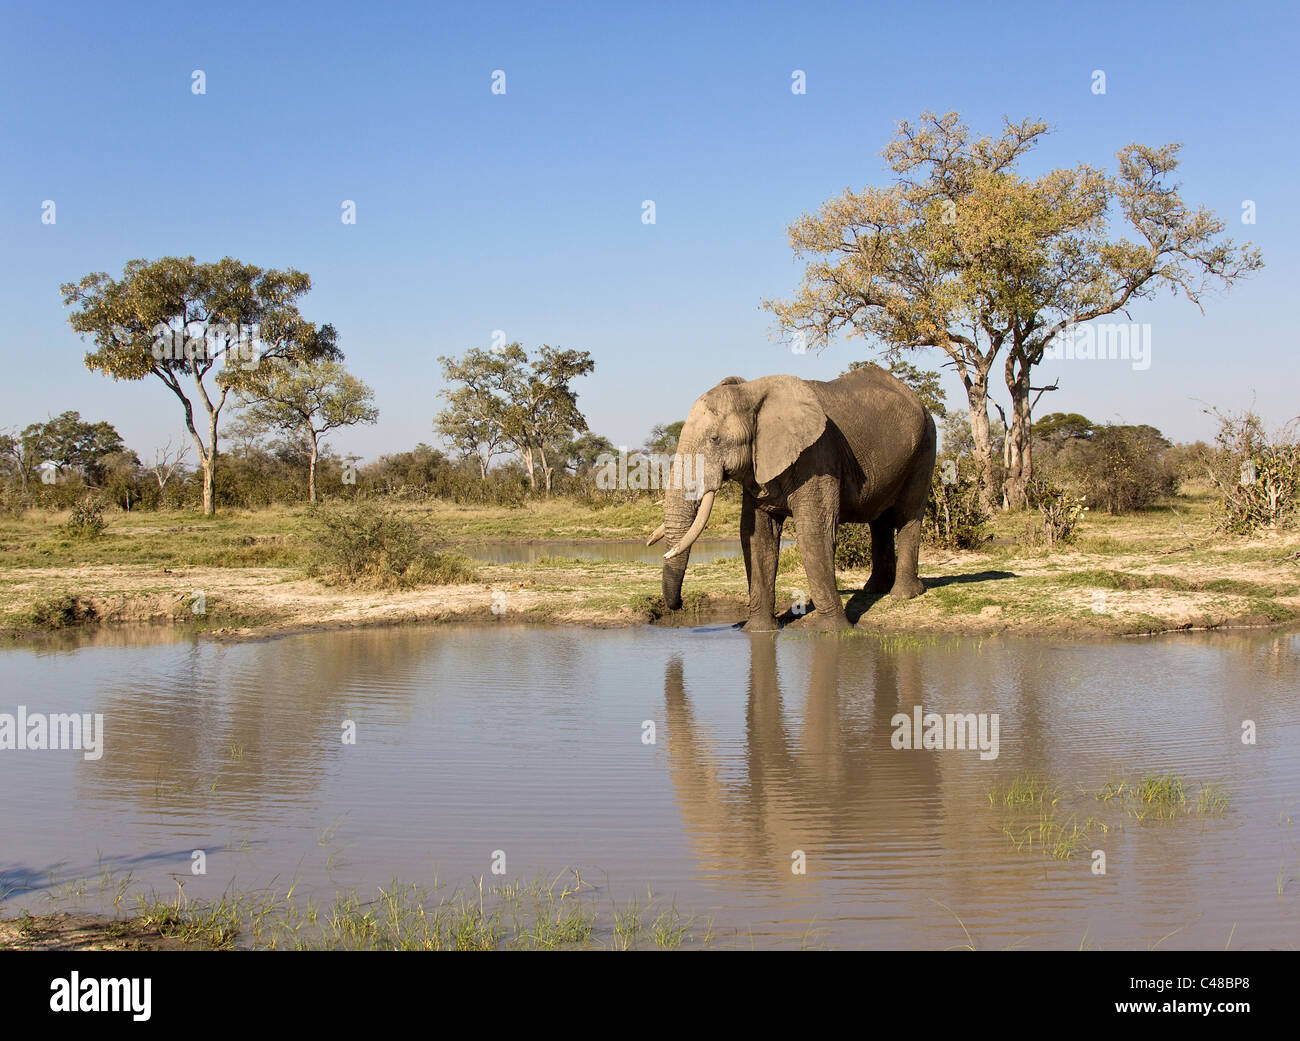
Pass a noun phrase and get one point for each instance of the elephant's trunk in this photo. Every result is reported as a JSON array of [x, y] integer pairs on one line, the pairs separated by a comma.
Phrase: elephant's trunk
[[702, 512], [674, 572], [680, 515], [688, 500]]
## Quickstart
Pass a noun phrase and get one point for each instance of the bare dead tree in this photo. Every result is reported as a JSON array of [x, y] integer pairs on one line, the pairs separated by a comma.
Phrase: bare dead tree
[[167, 460]]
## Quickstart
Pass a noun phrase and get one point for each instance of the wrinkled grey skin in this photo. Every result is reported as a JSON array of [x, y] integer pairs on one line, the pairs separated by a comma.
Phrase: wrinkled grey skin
[[858, 449]]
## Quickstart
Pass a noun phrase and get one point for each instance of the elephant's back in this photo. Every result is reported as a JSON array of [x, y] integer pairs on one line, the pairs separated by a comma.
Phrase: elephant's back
[[869, 401]]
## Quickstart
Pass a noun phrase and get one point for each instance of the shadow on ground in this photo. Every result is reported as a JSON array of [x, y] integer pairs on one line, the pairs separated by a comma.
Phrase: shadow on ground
[[860, 601]]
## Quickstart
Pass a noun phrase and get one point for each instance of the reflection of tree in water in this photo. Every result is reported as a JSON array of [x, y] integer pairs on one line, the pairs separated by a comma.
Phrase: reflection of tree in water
[[1275, 655], [76, 638], [222, 725], [836, 788]]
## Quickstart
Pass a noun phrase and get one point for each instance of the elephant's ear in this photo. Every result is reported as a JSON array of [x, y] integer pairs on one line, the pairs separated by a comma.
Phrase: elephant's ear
[[788, 421]]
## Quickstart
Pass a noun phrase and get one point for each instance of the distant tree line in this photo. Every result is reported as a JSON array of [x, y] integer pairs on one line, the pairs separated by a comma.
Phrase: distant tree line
[[275, 454], [229, 336]]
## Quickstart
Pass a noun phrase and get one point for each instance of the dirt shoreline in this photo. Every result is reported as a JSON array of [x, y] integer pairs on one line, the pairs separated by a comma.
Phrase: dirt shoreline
[[69, 931], [259, 603], [243, 576]]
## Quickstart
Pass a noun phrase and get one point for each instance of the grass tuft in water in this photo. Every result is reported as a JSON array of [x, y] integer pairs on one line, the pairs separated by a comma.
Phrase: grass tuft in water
[[401, 916], [1061, 833], [1164, 797], [1026, 790]]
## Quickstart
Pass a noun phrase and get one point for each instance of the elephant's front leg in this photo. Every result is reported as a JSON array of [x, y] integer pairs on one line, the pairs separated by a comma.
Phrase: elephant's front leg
[[760, 542], [816, 512]]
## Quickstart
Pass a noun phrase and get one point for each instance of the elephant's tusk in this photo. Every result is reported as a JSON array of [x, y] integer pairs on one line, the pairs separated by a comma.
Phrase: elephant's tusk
[[656, 536], [701, 519]]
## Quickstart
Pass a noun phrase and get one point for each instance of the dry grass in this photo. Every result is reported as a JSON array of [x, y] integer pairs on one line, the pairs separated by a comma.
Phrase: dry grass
[[1152, 572]]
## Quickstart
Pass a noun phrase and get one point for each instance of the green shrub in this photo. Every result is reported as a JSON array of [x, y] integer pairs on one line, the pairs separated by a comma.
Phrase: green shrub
[[87, 520], [852, 551], [368, 545], [853, 547], [1118, 468], [1131, 470], [1257, 475], [954, 518], [60, 612], [1061, 511]]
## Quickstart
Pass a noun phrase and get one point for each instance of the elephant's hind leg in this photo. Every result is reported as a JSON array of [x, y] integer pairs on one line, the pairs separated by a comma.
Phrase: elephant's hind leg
[[908, 513], [907, 583], [882, 554]]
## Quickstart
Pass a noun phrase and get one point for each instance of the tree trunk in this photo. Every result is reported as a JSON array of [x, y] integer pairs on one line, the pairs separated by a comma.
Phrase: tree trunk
[[528, 462], [311, 471], [208, 455], [977, 393], [209, 468], [212, 472], [207, 462], [1020, 465], [546, 470]]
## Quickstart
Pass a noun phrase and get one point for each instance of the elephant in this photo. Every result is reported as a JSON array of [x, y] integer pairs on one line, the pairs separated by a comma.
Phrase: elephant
[[817, 772], [857, 449]]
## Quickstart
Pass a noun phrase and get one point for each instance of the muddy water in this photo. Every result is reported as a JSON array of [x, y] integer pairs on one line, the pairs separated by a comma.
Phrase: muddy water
[[530, 741], [702, 552]]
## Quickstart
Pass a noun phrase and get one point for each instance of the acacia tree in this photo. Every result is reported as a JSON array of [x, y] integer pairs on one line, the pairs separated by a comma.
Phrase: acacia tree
[[177, 319], [546, 410], [66, 442], [964, 254], [69, 442], [527, 406], [1057, 428], [662, 439], [309, 400], [474, 421], [20, 455], [1091, 275], [582, 453]]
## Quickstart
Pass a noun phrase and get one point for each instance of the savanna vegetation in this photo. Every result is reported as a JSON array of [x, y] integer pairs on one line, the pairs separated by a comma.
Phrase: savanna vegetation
[[253, 514], [1123, 530]]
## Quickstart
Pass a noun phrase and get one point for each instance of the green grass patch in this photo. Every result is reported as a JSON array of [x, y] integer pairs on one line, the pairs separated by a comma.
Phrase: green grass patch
[[789, 561], [1025, 791], [1041, 817], [1057, 836], [1163, 797], [541, 915]]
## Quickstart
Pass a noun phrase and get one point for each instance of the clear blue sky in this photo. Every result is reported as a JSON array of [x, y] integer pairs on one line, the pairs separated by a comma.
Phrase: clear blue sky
[[522, 212]]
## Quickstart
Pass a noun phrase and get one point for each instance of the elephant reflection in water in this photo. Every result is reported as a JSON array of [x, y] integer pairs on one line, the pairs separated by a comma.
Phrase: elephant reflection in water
[[837, 786]]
